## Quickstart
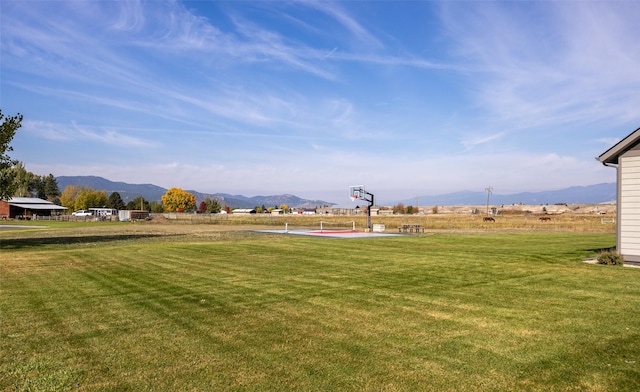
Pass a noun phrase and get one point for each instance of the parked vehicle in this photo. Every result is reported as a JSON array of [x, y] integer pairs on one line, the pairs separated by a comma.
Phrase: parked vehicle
[[82, 213], [103, 212]]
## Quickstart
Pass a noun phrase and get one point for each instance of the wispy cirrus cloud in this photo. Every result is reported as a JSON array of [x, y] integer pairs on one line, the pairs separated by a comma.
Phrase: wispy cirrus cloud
[[350, 24], [102, 51], [82, 133], [562, 63], [473, 140], [130, 16]]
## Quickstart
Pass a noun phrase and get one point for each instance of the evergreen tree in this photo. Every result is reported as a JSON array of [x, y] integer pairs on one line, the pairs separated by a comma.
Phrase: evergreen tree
[[212, 205], [37, 187], [139, 203], [115, 201], [51, 189], [156, 207]]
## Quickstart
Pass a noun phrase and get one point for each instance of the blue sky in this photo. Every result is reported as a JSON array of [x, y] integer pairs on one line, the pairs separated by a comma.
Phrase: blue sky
[[270, 97]]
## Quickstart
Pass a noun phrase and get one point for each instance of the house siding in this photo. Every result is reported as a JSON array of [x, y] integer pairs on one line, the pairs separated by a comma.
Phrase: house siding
[[629, 206]]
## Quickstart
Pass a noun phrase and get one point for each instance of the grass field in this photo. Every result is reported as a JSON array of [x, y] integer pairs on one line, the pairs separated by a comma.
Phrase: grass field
[[112, 306], [437, 222]]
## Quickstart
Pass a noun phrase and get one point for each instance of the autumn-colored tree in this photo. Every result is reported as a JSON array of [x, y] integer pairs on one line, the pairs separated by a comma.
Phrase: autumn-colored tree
[[76, 197], [69, 195], [90, 198], [202, 208], [178, 200], [399, 208]]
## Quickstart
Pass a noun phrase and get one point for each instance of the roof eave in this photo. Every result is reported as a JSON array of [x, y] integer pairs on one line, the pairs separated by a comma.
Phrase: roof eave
[[611, 155]]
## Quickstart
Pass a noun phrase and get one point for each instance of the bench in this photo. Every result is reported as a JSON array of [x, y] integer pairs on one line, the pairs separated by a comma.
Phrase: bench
[[410, 229]]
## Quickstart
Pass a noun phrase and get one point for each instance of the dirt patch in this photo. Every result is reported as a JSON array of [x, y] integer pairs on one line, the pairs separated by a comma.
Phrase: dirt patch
[[159, 219]]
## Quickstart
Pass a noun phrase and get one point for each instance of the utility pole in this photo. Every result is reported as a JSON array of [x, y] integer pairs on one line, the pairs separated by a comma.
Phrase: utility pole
[[489, 191]]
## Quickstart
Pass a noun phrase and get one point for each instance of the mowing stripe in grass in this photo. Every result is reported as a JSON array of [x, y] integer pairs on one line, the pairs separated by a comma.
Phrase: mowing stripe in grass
[[444, 312]]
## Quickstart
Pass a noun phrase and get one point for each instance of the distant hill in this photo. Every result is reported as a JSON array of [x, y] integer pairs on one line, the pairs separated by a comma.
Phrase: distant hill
[[151, 192], [591, 194], [128, 192]]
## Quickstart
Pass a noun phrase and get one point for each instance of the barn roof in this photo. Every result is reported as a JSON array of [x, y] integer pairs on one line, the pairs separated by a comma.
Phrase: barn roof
[[624, 145], [33, 203], [33, 206], [28, 200], [244, 210]]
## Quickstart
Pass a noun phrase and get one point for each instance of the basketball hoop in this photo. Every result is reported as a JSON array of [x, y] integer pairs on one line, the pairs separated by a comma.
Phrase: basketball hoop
[[357, 192]]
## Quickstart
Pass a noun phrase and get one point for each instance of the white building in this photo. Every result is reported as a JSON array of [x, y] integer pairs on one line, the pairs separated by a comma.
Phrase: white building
[[625, 157]]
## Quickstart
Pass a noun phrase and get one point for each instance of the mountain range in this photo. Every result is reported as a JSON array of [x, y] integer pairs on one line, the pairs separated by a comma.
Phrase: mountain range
[[152, 192], [591, 194]]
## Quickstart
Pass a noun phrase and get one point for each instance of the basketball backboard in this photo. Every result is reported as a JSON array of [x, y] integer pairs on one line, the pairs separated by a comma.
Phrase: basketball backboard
[[356, 192]]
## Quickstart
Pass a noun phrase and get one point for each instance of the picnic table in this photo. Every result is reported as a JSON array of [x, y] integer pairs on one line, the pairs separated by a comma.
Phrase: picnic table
[[410, 228]]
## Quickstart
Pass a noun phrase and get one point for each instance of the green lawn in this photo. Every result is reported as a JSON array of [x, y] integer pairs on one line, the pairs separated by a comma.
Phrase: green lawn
[[259, 312]]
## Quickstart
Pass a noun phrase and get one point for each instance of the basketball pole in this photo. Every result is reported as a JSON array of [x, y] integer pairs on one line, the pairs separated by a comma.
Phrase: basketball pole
[[366, 196], [371, 203]]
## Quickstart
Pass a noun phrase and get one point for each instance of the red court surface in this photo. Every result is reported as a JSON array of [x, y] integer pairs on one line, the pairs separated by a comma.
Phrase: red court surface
[[332, 233]]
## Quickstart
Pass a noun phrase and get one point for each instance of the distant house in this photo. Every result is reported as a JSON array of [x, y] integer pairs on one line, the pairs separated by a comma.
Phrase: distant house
[[27, 207], [303, 211], [243, 211], [132, 215], [348, 209], [625, 157]]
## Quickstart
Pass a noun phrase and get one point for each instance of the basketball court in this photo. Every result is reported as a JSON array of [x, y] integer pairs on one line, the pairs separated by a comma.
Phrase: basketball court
[[331, 233], [341, 229]]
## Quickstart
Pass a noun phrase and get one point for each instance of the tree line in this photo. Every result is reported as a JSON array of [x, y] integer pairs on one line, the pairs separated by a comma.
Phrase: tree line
[[77, 197]]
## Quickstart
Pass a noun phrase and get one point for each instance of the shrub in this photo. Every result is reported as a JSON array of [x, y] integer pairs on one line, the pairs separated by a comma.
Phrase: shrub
[[610, 257]]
